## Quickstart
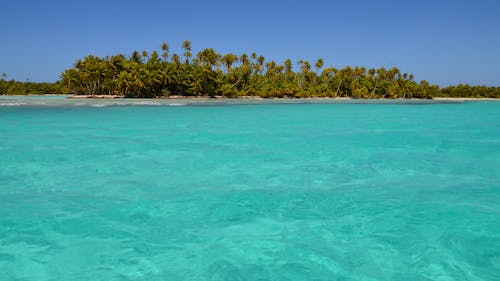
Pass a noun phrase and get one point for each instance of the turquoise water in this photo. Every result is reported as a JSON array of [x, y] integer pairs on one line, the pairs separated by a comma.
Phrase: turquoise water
[[126, 190]]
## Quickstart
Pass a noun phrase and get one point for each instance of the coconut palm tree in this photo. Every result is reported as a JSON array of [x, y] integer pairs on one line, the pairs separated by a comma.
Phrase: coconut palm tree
[[186, 45], [165, 50], [228, 60]]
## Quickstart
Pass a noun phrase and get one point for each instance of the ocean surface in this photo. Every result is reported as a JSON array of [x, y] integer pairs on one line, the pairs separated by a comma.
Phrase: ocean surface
[[249, 190]]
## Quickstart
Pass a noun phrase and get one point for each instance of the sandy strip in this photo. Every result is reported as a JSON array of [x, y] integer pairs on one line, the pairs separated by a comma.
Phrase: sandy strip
[[95, 97], [465, 99]]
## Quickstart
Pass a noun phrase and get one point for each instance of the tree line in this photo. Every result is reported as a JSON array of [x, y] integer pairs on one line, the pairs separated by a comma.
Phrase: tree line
[[208, 73], [13, 87]]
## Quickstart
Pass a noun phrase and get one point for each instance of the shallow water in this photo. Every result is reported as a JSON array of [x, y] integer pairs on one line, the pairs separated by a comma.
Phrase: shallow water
[[123, 190]]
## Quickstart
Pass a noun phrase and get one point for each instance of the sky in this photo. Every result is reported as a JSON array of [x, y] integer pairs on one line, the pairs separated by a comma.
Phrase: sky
[[444, 42]]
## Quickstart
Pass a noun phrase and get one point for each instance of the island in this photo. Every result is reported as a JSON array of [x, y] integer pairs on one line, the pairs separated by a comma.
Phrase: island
[[211, 74]]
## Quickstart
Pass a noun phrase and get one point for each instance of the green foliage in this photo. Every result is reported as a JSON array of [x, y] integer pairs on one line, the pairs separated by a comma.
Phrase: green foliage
[[4, 87], [462, 90], [208, 73], [28, 88]]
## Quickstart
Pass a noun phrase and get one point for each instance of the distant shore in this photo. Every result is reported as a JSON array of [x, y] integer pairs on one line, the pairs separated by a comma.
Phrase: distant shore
[[74, 96], [257, 97], [96, 97], [464, 99], [194, 97]]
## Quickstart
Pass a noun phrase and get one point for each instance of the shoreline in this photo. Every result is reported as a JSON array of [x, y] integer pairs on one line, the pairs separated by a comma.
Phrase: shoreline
[[95, 97], [465, 99], [456, 99], [178, 97]]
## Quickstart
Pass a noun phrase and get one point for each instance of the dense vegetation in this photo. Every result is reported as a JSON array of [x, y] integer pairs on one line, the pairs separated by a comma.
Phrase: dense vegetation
[[29, 88], [208, 73]]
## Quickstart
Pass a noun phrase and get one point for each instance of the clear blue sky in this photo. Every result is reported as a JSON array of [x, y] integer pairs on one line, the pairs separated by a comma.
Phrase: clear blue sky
[[445, 42]]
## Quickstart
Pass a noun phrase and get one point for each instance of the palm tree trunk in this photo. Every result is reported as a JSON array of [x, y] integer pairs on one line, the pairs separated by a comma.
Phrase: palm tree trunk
[[338, 88]]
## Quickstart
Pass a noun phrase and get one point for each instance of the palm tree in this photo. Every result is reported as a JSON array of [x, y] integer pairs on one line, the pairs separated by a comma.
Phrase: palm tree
[[326, 76], [165, 49], [381, 76], [186, 45], [261, 61], [124, 82], [69, 77], [244, 59], [228, 61], [305, 67], [145, 55], [208, 57], [344, 76], [176, 59], [319, 64], [135, 57]]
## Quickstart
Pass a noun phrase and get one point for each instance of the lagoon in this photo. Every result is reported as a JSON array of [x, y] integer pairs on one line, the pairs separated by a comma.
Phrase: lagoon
[[249, 190]]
